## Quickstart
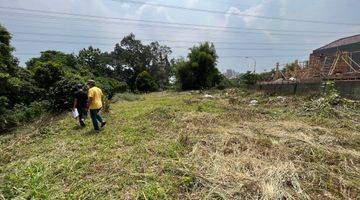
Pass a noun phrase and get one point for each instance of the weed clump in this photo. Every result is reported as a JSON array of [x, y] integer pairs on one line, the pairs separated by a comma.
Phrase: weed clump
[[332, 96], [27, 183], [45, 131], [125, 97], [331, 104], [161, 113]]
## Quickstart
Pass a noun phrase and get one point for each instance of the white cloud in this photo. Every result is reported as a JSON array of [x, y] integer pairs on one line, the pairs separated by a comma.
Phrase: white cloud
[[125, 5], [250, 22], [145, 10], [191, 3], [322, 10], [254, 10], [283, 7]]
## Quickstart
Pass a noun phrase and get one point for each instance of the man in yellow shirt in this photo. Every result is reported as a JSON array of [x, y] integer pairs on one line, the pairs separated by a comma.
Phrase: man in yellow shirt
[[95, 105]]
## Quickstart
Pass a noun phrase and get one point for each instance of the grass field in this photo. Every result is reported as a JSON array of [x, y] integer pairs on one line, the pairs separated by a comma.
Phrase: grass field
[[190, 146]]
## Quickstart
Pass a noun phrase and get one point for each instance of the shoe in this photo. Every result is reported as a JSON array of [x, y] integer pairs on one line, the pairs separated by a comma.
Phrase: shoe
[[103, 124], [82, 123]]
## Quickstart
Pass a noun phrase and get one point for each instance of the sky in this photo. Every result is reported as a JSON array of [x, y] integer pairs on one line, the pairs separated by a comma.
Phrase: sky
[[240, 36]]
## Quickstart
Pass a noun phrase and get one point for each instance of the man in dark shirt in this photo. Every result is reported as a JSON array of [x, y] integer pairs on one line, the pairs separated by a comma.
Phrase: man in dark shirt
[[80, 103]]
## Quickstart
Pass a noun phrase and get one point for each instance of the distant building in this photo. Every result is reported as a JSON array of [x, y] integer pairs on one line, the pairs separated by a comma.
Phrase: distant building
[[339, 57], [230, 74]]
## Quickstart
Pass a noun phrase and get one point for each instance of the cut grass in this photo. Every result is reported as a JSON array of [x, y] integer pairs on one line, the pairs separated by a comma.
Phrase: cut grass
[[185, 146]]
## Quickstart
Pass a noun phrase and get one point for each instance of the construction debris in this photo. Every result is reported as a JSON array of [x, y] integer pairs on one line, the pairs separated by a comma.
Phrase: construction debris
[[254, 103], [320, 100], [281, 99], [207, 96]]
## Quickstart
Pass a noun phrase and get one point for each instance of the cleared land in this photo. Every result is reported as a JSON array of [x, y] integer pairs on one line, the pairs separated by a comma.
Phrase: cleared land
[[190, 146]]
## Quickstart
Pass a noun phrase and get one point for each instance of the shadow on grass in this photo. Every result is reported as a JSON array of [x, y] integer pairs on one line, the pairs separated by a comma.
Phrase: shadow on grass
[[78, 127], [81, 129], [92, 132]]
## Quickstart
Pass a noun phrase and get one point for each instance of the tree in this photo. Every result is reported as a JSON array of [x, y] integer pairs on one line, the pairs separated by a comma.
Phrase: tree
[[249, 78], [15, 82], [68, 61], [185, 75], [8, 64], [16, 85], [160, 65], [200, 71], [130, 58], [145, 82], [94, 60]]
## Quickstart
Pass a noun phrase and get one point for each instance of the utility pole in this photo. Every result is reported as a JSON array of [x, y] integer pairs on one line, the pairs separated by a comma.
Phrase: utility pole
[[277, 72], [249, 57]]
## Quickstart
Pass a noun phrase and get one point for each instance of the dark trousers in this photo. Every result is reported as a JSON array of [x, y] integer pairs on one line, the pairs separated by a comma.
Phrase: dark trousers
[[95, 117], [82, 115]]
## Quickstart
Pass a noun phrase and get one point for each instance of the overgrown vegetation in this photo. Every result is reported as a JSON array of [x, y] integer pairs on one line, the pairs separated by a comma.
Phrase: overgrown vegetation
[[199, 71], [190, 145], [132, 66], [203, 144], [52, 77]]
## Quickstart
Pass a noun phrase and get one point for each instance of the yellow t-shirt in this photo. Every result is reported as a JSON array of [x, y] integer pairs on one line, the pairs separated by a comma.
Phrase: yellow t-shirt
[[95, 94]]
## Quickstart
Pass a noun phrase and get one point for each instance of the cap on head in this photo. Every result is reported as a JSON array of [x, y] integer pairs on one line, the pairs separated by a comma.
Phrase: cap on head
[[91, 82], [79, 86]]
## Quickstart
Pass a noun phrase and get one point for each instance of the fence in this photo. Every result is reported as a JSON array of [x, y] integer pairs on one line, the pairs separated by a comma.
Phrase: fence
[[347, 88]]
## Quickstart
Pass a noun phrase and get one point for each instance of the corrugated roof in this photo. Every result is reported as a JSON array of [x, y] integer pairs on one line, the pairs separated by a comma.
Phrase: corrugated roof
[[341, 42]]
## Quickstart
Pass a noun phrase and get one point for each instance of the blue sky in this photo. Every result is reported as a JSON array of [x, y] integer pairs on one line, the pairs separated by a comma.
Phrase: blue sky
[[33, 33]]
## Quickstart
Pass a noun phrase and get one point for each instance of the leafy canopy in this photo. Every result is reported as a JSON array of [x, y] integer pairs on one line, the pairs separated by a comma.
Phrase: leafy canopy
[[200, 71]]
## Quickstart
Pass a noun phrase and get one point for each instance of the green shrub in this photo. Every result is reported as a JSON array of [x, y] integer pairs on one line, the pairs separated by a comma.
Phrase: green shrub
[[110, 85], [145, 82], [249, 78], [20, 114], [225, 83], [4, 102], [62, 94], [47, 74], [18, 89]]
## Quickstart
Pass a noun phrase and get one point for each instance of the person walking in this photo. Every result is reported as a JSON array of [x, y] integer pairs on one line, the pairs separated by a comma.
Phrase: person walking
[[95, 105], [80, 103]]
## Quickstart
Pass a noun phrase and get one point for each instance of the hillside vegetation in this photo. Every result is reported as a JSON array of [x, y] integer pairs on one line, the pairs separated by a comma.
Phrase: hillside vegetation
[[48, 82], [190, 146]]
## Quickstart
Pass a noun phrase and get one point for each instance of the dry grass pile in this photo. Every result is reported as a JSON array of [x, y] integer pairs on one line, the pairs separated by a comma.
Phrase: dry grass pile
[[272, 151]]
